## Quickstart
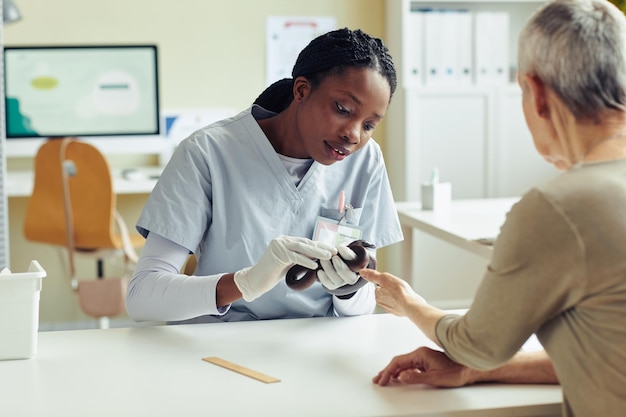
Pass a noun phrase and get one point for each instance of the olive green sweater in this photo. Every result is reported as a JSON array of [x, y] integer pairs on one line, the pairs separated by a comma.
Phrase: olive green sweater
[[558, 270]]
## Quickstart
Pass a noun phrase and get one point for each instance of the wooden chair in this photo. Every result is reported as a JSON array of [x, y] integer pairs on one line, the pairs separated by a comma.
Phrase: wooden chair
[[190, 265], [73, 205]]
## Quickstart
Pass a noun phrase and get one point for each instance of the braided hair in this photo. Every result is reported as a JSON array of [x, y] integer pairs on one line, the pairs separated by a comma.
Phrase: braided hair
[[331, 54]]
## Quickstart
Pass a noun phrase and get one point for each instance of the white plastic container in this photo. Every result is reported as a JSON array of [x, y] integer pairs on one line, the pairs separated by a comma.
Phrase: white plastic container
[[19, 312], [437, 197]]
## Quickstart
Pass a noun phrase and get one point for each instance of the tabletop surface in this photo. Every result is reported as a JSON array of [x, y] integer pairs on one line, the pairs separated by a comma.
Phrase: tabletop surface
[[325, 366], [466, 224]]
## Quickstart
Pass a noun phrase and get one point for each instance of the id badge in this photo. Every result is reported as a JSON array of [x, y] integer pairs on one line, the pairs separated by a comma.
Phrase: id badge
[[335, 232]]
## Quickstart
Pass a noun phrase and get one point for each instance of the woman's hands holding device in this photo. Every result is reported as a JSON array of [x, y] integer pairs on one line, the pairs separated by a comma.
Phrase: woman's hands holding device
[[281, 253]]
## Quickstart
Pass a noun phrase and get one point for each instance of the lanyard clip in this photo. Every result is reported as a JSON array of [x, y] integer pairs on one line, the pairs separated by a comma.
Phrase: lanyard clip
[[347, 214]]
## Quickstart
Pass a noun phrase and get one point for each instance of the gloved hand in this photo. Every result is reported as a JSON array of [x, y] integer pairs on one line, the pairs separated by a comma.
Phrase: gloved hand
[[281, 253], [334, 272]]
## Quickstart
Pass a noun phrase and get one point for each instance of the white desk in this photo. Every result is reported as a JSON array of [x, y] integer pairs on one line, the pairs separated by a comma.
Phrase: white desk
[[463, 225], [20, 183], [325, 366], [466, 222]]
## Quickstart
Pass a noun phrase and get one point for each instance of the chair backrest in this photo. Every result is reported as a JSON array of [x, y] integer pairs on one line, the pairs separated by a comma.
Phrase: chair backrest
[[91, 196]]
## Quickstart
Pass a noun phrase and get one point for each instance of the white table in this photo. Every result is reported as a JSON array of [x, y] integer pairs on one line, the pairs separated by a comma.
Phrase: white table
[[466, 224], [325, 366]]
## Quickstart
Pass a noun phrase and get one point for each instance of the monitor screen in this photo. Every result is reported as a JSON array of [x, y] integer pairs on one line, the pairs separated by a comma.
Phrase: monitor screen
[[92, 91]]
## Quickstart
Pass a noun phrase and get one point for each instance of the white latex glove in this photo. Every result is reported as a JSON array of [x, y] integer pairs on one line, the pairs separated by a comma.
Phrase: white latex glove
[[281, 254], [335, 273]]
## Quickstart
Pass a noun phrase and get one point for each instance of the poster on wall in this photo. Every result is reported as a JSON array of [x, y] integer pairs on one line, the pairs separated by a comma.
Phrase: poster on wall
[[286, 36]]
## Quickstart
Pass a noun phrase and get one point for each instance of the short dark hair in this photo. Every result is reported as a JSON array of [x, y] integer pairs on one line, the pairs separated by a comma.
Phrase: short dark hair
[[330, 54]]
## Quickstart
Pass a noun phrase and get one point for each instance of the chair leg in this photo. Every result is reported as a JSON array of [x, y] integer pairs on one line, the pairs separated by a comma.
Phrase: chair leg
[[103, 323], [100, 269]]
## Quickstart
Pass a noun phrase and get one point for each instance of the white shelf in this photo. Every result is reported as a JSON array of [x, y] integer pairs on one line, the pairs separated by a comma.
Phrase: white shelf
[[398, 20], [475, 134], [465, 132]]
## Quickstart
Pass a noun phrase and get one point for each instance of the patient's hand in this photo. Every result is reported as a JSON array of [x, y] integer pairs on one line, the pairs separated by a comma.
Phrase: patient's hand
[[424, 366]]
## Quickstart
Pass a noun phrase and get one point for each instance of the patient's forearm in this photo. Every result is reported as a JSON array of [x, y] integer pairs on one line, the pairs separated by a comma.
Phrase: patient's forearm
[[523, 368]]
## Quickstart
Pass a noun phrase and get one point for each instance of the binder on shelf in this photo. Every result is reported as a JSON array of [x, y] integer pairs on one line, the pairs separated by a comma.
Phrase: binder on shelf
[[491, 46], [465, 73], [500, 63], [434, 39], [413, 49], [482, 47], [448, 38], [448, 47]]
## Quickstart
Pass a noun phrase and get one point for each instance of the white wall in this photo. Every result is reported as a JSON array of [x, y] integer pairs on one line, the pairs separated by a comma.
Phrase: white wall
[[211, 51]]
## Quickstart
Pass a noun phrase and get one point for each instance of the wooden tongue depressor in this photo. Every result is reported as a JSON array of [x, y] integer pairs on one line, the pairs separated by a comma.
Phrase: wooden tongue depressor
[[241, 369]]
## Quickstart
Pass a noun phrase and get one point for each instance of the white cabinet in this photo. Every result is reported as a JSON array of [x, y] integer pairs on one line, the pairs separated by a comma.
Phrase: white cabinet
[[473, 132], [515, 163], [447, 130]]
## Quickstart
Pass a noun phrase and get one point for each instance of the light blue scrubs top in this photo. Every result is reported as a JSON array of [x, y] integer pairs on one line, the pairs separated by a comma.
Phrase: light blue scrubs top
[[225, 194]]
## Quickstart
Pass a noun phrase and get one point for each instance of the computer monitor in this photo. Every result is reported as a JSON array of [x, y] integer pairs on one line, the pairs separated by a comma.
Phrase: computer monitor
[[105, 94]]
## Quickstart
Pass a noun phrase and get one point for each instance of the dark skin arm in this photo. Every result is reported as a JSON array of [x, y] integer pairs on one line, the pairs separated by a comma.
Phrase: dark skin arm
[[226, 291], [432, 367]]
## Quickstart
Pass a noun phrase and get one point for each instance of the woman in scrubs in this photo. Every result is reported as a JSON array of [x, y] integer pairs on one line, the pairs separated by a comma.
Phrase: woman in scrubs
[[246, 194]]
